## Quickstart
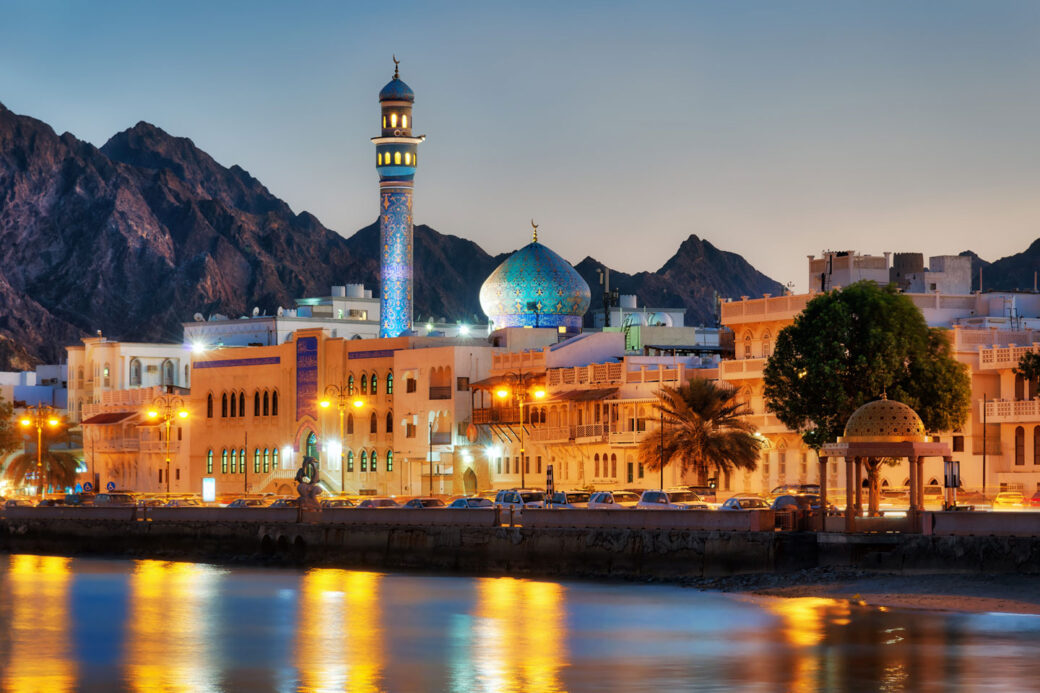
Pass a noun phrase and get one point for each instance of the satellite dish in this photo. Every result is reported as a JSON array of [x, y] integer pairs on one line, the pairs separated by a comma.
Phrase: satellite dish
[[632, 320], [256, 311], [198, 317], [280, 312]]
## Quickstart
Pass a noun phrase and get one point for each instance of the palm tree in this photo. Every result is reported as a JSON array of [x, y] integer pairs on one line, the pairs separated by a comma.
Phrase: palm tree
[[702, 429], [59, 469]]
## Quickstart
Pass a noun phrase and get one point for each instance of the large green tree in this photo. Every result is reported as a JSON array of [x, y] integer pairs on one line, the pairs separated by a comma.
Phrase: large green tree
[[847, 348], [59, 469], [703, 429], [10, 435]]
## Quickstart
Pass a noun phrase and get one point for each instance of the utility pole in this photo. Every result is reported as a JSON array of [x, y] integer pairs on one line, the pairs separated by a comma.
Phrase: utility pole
[[662, 449]]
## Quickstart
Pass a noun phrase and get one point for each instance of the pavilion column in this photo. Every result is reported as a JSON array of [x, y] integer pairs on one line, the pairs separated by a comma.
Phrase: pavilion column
[[859, 486], [920, 483], [823, 495], [850, 501], [914, 507]]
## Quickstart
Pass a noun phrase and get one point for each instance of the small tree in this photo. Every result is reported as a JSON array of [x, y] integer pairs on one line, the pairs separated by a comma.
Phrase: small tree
[[10, 435], [703, 428], [1029, 367], [847, 348]]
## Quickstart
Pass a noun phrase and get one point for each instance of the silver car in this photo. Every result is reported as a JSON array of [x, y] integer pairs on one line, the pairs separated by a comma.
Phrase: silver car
[[613, 500]]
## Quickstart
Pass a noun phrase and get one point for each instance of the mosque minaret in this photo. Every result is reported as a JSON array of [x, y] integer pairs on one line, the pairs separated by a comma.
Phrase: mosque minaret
[[396, 159]]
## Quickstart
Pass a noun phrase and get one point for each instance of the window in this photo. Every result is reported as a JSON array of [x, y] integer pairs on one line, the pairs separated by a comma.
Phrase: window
[[350, 424], [384, 121], [105, 375], [409, 430], [411, 385], [373, 465], [404, 120], [223, 462], [234, 462], [596, 474], [498, 465], [135, 372], [408, 158], [311, 446], [350, 460], [242, 460], [209, 461], [389, 460], [274, 403], [958, 443], [374, 384], [178, 474], [209, 406], [389, 422], [234, 405], [274, 459], [267, 460], [613, 466], [256, 403], [79, 375], [186, 381], [350, 384], [256, 460], [241, 404], [462, 384], [1020, 446], [372, 424], [390, 383], [160, 476], [168, 376], [364, 384], [223, 405], [267, 403], [397, 157], [1036, 444], [538, 465], [393, 120], [630, 472], [379, 156], [364, 461], [527, 464]]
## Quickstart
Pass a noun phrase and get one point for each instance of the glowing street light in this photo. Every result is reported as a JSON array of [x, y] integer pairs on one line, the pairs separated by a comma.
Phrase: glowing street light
[[166, 408], [342, 394], [39, 415]]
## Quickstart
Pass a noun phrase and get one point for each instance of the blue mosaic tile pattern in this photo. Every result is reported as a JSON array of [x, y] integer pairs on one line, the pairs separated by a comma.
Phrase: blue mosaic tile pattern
[[536, 287], [395, 234]]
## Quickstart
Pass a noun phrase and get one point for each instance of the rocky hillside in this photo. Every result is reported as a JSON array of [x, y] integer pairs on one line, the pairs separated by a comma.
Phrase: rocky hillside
[[135, 237], [1011, 273]]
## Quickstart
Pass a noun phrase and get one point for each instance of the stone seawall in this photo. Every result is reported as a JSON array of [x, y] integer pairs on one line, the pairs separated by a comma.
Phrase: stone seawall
[[609, 552]]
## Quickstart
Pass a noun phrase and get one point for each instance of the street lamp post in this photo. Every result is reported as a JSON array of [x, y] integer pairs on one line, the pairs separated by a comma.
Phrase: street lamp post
[[166, 408], [518, 381], [340, 396], [40, 415], [662, 449]]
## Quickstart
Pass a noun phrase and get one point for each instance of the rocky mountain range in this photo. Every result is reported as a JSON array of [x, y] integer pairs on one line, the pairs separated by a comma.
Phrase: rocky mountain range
[[135, 237]]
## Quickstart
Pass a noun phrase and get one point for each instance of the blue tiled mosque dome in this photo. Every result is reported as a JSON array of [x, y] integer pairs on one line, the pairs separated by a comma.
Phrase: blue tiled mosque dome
[[396, 90], [535, 287]]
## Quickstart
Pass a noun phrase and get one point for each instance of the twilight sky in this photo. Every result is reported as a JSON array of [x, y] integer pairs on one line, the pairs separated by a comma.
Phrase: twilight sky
[[772, 129]]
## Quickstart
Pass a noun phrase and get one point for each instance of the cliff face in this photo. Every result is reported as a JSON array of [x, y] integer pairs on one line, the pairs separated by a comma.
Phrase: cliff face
[[137, 236]]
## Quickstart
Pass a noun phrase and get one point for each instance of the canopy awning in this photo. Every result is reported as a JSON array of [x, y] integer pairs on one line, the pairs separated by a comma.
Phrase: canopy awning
[[579, 395], [496, 381], [108, 417]]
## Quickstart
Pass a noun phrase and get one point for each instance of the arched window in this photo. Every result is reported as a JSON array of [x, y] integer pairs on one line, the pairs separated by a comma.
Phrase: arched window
[[389, 422], [267, 460], [256, 403], [274, 459], [223, 461], [364, 461], [187, 369], [397, 158], [613, 465], [209, 406], [1036, 444], [234, 405], [223, 405], [389, 460], [767, 344], [373, 462], [393, 120], [106, 376], [350, 424], [373, 426], [364, 384], [79, 376], [241, 404], [256, 460], [390, 383], [596, 474], [350, 460], [311, 449], [267, 403], [242, 460], [747, 345], [168, 374], [374, 384], [135, 372], [274, 403], [404, 120], [384, 121], [209, 461], [234, 462], [350, 384], [1020, 446], [407, 158], [379, 156]]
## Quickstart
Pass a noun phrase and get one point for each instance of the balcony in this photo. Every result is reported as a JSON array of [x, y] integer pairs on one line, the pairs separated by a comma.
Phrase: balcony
[[590, 433], [440, 392], [626, 437], [1012, 411], [1004, 357], [552, 434], [497, 415], [159, 446], [762, 309], [741, 369]]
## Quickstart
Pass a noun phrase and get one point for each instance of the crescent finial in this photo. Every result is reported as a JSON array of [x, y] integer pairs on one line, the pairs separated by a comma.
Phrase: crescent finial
[[396, 63], [535, 227]]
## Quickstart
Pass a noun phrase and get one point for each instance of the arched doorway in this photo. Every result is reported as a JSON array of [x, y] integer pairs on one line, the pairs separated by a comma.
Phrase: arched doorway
[[469, 482], [311, 448]]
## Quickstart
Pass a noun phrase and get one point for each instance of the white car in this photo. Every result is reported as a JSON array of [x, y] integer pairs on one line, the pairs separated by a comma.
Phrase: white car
[[521, 498], [745, 503], [678, 500], [613, 500], [569, 499]]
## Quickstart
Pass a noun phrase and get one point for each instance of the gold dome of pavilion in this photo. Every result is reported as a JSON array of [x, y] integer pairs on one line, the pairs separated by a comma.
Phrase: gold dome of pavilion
[[884, 421]]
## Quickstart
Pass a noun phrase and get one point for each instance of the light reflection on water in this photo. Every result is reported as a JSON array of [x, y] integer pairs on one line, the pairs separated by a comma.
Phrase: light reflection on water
[[69, 624]]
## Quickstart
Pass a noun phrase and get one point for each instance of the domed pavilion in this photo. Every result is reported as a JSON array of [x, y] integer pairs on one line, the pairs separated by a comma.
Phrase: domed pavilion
[[882, 429], [535, 287]]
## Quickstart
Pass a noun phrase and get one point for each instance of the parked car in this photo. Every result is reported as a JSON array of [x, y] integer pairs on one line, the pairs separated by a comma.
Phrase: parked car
[[569, 499], [745, 503], [150, 502], [337, 503], [80, 499], [470, 503], [285, 503], [115, 499], [1034, 500], [51, 503], [249, 503], [671, 500], [184, 503], [379, 503], [1009, 499], [613, 500], [706, 493], [795, 490], [17, 503], [420, 503], [518, 499]]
